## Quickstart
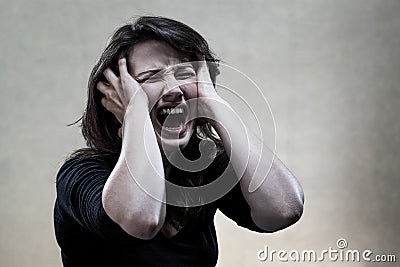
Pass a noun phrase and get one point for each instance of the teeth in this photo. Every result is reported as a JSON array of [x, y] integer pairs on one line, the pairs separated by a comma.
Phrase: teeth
[[175, 128], [172, 111]]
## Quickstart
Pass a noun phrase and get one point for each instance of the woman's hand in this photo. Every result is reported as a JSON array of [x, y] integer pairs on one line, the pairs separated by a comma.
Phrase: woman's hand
[[119, 91], [208, 101], [205, 86], [274, 204]]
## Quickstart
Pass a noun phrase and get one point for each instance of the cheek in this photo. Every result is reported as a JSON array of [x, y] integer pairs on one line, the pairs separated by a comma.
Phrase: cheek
[[153, 92], [189, 90]]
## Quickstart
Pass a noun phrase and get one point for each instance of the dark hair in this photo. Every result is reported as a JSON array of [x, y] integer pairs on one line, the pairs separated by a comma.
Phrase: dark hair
[[100, 127]]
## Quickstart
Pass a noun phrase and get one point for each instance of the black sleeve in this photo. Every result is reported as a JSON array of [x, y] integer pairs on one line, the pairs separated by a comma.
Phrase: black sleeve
[[80, 183], [233, 204]]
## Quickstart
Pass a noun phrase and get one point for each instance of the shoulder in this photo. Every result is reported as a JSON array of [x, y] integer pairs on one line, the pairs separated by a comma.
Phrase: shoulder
[[84, 164]]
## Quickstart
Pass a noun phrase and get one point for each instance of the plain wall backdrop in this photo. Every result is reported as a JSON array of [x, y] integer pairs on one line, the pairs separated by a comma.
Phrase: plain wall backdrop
[[330, 70]]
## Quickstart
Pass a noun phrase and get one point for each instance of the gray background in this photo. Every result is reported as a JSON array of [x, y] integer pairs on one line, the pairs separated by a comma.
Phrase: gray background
[[330, 70]]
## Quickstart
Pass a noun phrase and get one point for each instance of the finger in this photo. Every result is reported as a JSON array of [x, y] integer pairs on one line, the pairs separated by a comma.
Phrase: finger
[[108, 91], [127, 81], [111, 105], [103, 87], [123, 69], [203, 74], [111, 77], [129, 85], [203, 68], [126, 78], [205, 87], [113, 108]]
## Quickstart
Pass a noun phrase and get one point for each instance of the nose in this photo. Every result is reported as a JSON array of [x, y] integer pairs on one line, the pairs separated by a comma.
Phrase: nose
[[172, 91]]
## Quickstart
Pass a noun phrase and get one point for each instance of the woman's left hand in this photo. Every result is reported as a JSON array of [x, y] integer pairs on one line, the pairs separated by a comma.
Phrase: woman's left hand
[[208, 100]]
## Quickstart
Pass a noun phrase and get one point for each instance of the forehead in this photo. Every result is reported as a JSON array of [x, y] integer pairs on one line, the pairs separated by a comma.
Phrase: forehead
[[153, 54]]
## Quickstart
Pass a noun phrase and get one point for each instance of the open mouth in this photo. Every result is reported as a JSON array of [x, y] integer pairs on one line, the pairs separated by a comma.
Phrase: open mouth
[[172, 120]]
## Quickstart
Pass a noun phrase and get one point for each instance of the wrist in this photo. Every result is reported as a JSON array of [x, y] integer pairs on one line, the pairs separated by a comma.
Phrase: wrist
[[139, 98], [214, 110]]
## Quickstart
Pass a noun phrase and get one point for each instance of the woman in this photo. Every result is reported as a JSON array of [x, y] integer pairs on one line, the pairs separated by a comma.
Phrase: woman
[[146, 95]]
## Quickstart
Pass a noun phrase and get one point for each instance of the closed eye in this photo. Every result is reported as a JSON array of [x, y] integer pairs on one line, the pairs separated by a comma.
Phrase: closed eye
[[149, 77], [185, 73]]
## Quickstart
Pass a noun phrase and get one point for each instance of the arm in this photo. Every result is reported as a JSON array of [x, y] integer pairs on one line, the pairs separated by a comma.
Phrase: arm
[[139, 212], [278, 201]]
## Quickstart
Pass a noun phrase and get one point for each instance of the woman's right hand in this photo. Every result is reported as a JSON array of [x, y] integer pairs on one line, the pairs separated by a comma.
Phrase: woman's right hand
[[134, 194], [119, 91]]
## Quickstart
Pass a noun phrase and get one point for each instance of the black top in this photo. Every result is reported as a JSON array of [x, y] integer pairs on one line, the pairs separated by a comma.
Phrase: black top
[[88, 237]]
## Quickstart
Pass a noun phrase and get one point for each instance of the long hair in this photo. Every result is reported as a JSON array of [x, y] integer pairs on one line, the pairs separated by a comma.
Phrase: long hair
[[100, 127]]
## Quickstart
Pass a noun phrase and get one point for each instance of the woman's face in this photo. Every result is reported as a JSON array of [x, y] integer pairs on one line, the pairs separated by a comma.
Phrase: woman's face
[[169, 81]]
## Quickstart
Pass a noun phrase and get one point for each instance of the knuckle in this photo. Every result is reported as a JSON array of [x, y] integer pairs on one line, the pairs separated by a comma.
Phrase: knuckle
[[124, 80], [106, 103], [100, 86], [109, 106], [106, 72], [108, 94]]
